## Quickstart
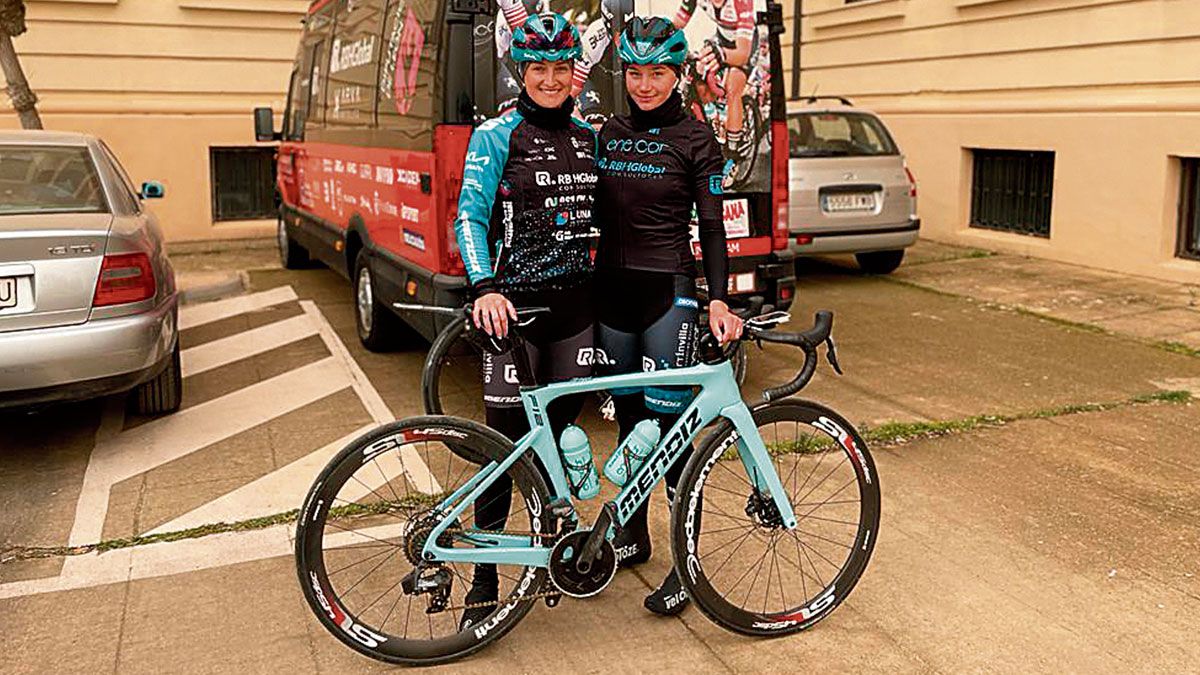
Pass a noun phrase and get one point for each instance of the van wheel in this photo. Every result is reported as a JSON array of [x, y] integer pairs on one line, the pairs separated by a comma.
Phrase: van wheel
[[164, 393], [292, 256], [378, 327], [880, 262]]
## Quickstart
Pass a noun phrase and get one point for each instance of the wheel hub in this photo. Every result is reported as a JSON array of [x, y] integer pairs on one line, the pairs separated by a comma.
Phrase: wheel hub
[[566, 575], [365, 300], [762, 509]]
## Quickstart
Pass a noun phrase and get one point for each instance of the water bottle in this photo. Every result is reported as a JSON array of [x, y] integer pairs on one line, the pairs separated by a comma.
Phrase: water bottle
[[577, 460], [628, 458]]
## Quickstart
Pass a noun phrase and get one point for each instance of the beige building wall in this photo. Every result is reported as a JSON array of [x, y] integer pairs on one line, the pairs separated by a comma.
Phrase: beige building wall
[[162, 81], [1111, 86]]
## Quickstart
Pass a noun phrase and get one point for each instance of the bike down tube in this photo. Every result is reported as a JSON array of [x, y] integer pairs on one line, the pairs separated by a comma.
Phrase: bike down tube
[[757, 460], [519, 552]]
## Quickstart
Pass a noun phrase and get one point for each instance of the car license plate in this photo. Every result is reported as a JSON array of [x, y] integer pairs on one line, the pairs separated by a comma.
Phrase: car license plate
[[8, 292], [852, 201]]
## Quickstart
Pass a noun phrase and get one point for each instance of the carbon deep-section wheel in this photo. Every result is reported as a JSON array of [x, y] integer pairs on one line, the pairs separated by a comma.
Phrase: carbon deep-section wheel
[[742, 566], [361, 530]]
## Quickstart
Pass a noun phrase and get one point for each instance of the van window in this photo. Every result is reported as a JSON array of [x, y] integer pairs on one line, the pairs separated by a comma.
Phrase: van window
[[306, 103], [409, 103], [837, 134], [353, 63]]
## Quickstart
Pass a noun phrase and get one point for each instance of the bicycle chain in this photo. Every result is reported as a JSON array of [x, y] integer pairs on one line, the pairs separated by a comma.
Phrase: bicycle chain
[[491, 603]]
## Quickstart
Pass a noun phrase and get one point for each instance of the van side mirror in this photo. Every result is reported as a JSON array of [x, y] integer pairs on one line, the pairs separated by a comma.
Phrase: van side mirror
[[152, 189], [264, 126]]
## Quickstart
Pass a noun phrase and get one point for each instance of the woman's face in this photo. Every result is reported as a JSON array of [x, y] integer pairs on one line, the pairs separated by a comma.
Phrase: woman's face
[[649, 86], [549, 82]]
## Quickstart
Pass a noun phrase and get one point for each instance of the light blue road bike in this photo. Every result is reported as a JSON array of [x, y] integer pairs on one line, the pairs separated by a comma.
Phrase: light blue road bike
[[773, 523]]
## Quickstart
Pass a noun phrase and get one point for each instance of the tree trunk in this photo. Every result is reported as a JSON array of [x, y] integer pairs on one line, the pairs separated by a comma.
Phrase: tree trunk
[[23, 99]]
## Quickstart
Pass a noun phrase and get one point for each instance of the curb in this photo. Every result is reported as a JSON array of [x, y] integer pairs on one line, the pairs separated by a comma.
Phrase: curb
[[233, 284]]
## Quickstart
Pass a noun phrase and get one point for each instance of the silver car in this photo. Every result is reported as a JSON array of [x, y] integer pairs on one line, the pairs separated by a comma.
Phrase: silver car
[[850, 189], [88, 303]]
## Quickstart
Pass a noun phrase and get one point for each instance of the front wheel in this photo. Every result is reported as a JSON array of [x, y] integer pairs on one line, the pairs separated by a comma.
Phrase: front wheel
[[364, 524], [744, 569]]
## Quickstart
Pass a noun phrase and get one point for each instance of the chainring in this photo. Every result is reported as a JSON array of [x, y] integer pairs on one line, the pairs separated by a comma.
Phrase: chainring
[[570, 580]]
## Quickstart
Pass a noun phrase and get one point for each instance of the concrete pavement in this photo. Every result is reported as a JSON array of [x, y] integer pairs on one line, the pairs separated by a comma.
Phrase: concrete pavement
[[1059, 544]]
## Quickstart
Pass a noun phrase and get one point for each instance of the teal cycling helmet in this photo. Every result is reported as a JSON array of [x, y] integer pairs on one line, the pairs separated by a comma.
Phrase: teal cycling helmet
[[546, 37], [652, 41]]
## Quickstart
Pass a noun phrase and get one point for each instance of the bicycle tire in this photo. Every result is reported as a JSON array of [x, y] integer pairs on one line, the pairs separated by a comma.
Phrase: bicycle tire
[[328, 599], [840, 438]]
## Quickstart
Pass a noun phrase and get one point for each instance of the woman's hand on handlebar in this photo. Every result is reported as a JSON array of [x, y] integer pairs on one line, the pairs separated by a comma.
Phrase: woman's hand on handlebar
[[724, 324], [491, 312]]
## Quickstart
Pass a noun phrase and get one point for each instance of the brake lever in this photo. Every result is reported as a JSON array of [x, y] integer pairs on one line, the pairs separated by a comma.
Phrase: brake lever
[[831, 355]]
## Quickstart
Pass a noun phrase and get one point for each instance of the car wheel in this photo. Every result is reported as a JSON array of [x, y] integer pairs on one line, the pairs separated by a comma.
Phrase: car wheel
[[880, 262], [292, 256], [162, 394], [377, 325]]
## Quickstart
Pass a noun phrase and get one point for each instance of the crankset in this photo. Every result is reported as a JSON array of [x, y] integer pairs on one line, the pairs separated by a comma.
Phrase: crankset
[[566, 573]]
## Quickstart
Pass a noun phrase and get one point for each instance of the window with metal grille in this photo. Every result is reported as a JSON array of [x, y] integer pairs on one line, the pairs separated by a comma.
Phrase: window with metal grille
[[1012, 191], [243, 183], [1189, 210]]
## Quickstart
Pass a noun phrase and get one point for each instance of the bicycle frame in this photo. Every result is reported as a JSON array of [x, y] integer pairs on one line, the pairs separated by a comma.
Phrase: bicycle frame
[[719, 396]]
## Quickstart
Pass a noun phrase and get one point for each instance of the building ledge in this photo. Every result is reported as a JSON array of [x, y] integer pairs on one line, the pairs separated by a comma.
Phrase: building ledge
[[297, 7], [840, 14]]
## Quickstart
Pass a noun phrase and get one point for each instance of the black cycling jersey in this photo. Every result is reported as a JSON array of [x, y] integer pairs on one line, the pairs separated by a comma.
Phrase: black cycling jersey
[[653, 167], [525, 209]]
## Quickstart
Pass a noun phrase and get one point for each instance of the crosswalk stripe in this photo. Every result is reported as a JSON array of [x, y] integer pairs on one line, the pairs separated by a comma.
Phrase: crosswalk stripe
[[197, 315], [244, 345], [189, 555], [276, 492], [153, 444]]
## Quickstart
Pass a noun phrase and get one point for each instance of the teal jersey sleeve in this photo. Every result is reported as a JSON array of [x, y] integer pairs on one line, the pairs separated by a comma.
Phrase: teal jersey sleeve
[[487, 153]]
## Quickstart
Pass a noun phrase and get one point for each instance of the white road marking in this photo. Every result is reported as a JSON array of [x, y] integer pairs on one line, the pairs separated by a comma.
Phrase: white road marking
[[181, 557], [197, 315], [163, 440], [274, 493], [362, 385], [222, 352], [122, 455]]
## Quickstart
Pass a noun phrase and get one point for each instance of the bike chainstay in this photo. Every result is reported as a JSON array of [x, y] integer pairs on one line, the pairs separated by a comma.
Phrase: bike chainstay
[[490, 603]]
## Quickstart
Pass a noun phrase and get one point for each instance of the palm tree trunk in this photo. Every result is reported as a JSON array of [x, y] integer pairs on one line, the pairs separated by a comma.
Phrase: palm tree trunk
[[24, 101]]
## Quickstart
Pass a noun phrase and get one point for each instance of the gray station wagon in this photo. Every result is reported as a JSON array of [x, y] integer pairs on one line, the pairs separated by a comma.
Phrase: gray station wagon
[[88, 303], [850, 189]]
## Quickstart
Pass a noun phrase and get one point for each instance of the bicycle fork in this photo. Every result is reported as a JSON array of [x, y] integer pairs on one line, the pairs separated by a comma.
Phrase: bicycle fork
[[757, 461]]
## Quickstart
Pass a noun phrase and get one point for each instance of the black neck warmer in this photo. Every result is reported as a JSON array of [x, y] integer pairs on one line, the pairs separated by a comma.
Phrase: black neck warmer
[[547, 118], [665, 115]]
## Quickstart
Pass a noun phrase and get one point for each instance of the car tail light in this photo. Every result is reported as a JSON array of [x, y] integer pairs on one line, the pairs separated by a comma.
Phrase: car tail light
[[912, 181], [124, 278], [785, 292], [779, 184]]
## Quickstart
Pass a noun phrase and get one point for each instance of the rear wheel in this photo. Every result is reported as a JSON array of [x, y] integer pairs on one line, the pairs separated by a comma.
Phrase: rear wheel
[[378, 327], [370, 512], [292, 255], [745, 570], [880, 262], [162, 394]]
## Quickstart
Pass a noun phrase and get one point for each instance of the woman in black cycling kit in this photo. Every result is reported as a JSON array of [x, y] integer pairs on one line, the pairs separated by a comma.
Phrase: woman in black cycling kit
[[524, 228], [655, 165]]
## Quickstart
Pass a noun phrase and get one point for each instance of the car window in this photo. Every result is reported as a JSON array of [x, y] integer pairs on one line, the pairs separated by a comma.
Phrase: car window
[[833, 134], [130, 196], [48, 179]]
